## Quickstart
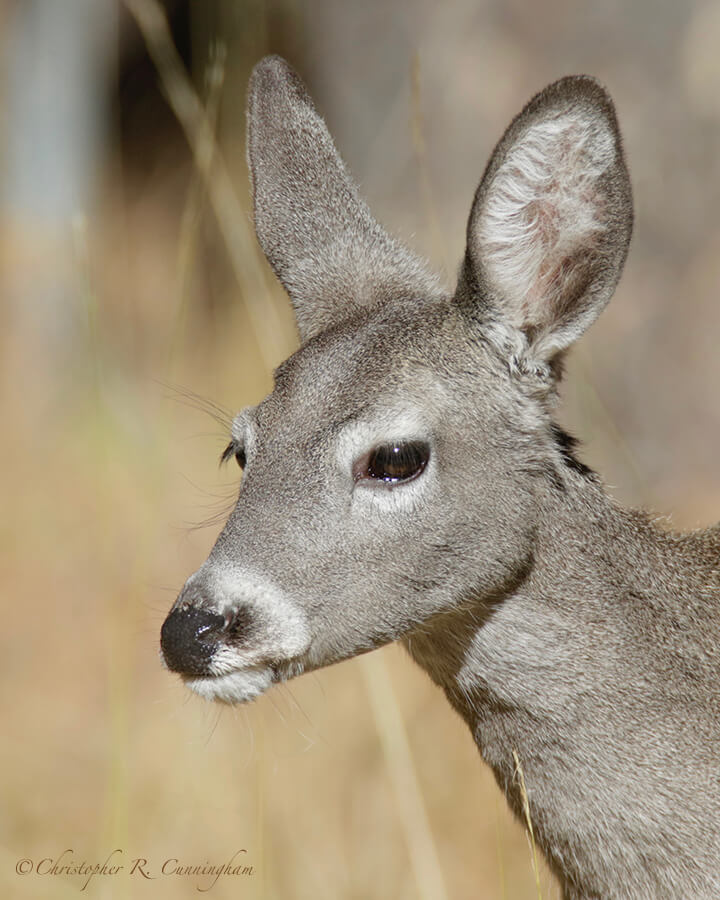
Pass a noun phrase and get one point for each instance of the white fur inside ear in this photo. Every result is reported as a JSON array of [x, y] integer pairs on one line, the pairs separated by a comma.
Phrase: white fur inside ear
[[543, 210]]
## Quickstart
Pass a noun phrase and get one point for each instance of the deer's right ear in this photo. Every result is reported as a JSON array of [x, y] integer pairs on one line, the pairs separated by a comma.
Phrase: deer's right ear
[[550, 224], [318, 235]]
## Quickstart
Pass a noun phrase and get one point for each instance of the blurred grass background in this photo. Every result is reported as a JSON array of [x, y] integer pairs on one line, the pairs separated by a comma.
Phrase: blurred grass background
[[131, 285]]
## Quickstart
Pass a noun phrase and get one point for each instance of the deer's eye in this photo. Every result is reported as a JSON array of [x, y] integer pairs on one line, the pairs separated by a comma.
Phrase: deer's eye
[[393, 463], [238, 451]]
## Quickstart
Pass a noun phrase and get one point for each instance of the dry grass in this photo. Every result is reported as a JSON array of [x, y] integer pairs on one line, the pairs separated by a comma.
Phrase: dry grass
[[520, 775]]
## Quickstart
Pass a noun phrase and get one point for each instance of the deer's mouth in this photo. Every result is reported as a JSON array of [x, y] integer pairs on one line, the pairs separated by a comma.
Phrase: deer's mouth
[[230, 640], [239, 686], [244, 682]]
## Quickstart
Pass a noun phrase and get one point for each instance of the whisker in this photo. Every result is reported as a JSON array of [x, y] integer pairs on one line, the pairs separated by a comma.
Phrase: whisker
[[190, 398]]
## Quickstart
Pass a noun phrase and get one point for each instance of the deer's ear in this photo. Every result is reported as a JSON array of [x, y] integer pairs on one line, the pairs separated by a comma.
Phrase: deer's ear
[[318, 235], [550, 224]]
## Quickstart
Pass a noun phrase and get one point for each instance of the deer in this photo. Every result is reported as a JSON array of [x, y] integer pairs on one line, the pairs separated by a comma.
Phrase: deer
[[407, 480]]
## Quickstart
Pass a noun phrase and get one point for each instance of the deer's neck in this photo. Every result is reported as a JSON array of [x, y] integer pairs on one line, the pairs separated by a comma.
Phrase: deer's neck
[[574, 674]]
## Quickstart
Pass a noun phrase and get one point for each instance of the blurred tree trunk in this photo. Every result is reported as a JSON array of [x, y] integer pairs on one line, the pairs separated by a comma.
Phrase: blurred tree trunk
[[58, 68]]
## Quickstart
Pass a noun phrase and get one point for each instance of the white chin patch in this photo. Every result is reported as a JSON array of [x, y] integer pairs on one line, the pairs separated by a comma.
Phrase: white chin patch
[[235, 687]]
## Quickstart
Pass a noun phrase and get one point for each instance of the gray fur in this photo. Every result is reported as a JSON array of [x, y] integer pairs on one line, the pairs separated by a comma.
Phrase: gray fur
[[563, 628], [316, 232]]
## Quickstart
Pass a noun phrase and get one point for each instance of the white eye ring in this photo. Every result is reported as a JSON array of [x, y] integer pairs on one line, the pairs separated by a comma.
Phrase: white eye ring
[[242, 437]]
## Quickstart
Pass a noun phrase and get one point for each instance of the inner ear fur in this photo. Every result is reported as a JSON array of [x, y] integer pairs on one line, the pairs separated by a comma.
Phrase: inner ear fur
[[551, 221]]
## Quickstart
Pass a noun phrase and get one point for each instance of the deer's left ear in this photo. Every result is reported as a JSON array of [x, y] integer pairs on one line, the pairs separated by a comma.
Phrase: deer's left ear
[[550, 224]]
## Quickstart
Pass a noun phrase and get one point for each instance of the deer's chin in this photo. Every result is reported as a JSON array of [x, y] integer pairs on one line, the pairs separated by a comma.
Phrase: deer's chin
[[240, 686]]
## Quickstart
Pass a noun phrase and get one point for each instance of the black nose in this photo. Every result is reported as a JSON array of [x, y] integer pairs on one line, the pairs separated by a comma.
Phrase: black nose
[[188, 639]]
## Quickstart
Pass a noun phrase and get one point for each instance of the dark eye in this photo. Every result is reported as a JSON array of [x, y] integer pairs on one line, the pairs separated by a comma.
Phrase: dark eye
[[237, 450], [393, 463]]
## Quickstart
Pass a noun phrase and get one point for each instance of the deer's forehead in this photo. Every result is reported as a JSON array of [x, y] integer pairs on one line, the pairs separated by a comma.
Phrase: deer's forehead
[[411, 366], [363, 388], [360, 356], [342, 377]]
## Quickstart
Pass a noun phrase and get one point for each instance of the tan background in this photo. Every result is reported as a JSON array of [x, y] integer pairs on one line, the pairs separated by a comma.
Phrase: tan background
[[118, 304]]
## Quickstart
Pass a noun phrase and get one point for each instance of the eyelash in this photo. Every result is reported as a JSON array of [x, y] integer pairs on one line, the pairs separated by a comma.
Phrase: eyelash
[[234, 448]]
